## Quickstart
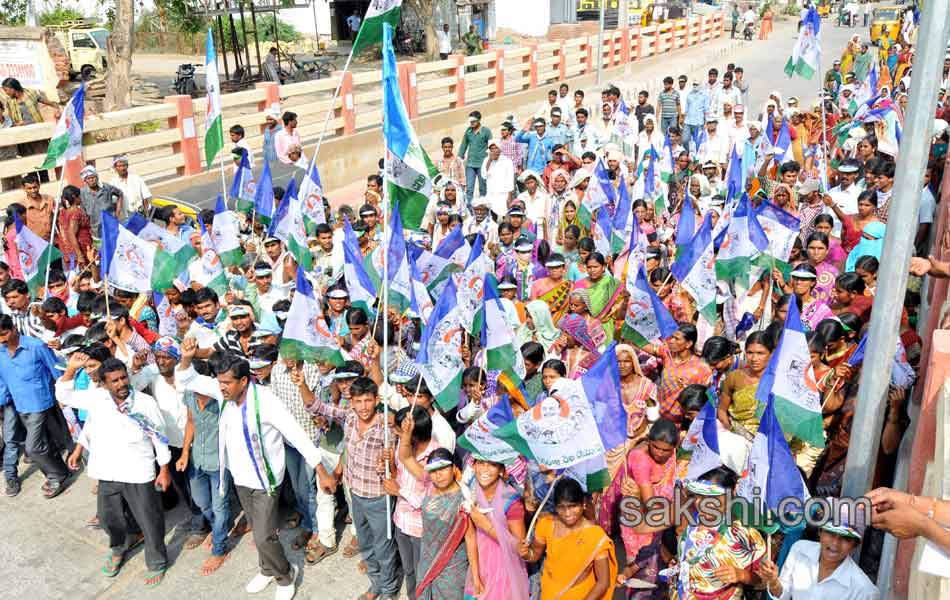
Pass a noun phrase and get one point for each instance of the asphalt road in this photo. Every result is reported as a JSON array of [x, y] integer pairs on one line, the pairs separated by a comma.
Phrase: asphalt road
[[763, 62], [48, 552]]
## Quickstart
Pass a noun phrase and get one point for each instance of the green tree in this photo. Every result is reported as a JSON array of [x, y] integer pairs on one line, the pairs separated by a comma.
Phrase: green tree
[[12, 12], [59, 14]]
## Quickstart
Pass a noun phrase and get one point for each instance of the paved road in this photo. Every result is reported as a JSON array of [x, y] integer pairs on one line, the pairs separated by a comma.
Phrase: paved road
[[763, 62], [47, 552]]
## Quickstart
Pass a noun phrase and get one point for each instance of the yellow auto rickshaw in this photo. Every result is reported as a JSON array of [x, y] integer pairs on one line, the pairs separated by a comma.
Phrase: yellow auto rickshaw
[[159, 202], [886, 23]]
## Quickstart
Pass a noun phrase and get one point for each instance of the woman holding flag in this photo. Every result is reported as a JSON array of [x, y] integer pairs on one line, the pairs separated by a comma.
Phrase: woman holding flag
[[738, 407], [498, 514], [580, 562]]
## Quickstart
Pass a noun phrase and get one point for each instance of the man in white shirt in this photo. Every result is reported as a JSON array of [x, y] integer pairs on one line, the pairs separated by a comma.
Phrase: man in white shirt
[[445, 41], [125, 437], [499, 176], [748, 18], [823, 569], [252, 412], [726, 94], [135, 193], [738, 130], [845, 194], [714, 147]]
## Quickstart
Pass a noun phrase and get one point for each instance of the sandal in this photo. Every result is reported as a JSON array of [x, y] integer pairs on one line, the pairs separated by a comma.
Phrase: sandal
[[134, 541], [213, 563], [154, 578], [368, 595], [351, 549], [302, 541], [317, 552], [113, 564]]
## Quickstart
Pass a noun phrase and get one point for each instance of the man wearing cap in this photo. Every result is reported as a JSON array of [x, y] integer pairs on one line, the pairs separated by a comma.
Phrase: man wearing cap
[[824, 569], [845, 194], [96, 197], [481, 222], [520, 233], [271, 127], [135, 194], [499, 176], [280, 260], [738, 130], [694, 113], [473, 150], [263, 294], [240, 339], [539, 144], [534, 199], [713, 146]]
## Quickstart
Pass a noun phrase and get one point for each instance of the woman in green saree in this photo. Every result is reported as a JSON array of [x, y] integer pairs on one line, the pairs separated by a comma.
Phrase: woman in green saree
[[604, 291]]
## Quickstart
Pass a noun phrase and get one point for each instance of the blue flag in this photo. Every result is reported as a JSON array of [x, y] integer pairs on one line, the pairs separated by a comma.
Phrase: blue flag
[[601, 384], [771, 473], [243, 187], [358, 282], [264, 196]]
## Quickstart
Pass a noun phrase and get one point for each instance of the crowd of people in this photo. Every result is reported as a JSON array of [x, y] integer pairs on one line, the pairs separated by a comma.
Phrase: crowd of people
[[194, 395]]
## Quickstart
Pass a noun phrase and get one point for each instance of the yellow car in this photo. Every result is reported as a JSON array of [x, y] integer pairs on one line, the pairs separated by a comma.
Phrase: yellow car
[[191, 211], [885, 23]]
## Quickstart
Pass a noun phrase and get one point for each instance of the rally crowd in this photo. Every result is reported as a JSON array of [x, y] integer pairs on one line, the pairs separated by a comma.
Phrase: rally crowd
[[592, 226]]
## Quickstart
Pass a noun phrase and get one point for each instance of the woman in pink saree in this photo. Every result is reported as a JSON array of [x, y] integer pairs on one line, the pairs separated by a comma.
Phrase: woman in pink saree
[[498, 516]]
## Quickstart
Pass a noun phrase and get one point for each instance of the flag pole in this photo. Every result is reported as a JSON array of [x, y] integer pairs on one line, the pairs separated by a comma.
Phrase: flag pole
[[52, 231], [385, 290], [224, 185]]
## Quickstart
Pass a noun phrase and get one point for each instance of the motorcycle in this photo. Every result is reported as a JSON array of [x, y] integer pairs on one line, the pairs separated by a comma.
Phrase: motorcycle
[[747, 32], [185, 84]]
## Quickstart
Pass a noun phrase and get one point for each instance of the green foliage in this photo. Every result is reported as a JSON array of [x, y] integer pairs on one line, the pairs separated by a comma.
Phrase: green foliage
[[12, 12], [60, 14]]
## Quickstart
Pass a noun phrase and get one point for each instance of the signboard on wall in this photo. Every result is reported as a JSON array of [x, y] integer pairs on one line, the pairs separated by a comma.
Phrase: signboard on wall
[[21, 59]]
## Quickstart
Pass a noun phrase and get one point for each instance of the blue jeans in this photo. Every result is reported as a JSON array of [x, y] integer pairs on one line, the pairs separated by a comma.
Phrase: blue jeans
[[470, 174], [382, 559], [213, 505], [32, 432], [666, 123], [13, 437], [303, 481]]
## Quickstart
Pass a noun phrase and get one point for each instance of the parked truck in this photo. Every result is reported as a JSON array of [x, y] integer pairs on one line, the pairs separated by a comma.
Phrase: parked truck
[[85, 44]]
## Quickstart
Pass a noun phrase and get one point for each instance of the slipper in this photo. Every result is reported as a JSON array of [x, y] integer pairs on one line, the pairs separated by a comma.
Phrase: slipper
[[368, 595], [351, 549], [113, 564], [154, 578], [206, 570], [317, 552], [302, 540]]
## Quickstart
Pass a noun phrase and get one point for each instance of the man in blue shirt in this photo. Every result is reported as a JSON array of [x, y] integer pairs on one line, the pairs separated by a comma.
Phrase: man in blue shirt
[[539, 145], [697, 105], [27, 371]]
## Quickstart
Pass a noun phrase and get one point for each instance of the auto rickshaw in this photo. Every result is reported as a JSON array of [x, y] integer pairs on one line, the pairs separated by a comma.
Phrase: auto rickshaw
[[159, 202], [886, 23]]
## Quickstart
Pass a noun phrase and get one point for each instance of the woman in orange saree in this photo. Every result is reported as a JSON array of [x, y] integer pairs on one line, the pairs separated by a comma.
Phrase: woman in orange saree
[[579, 558]]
